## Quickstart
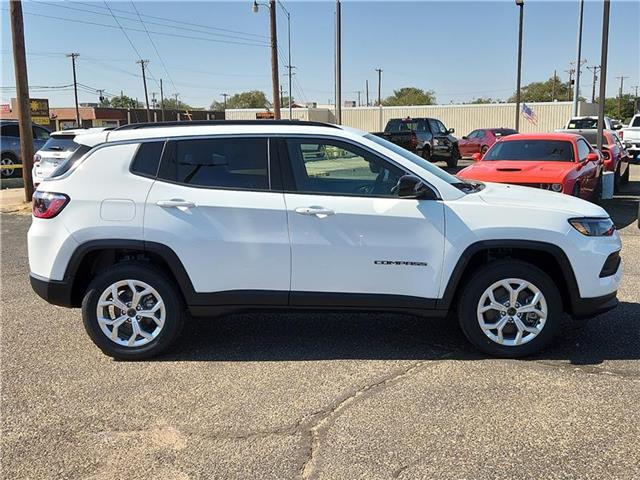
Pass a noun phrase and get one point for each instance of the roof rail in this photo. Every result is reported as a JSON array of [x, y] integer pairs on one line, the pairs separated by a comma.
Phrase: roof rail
[[200, 123]]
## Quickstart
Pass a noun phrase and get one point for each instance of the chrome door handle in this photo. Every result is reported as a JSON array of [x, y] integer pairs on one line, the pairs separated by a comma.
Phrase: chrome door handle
[[175, 203], [317, 211]]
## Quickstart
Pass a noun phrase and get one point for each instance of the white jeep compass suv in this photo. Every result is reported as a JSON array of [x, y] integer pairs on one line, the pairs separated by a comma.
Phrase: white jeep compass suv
[[147, 222]]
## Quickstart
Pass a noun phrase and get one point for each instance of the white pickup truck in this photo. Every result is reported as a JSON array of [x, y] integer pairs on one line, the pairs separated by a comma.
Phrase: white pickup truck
[[630, 136]]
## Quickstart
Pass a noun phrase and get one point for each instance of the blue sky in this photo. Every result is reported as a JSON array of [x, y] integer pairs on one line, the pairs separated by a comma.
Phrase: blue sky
[[461, 50]]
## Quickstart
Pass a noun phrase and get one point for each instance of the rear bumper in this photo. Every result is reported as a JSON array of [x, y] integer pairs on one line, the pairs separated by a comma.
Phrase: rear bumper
[[590, 307], [57, 292]]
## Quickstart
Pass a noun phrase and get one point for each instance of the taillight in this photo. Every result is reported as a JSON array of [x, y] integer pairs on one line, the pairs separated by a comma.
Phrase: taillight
[[48, 204], [414, 140], [36, 159], [620, 134]]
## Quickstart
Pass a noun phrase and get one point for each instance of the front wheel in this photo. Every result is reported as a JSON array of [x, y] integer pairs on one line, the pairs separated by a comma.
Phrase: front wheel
[[426, 153], [8, 161], [452, 162], [132, 311], [510, 309]]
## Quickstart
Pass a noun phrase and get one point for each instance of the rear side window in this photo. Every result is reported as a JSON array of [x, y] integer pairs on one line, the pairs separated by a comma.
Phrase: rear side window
[[65, 166], [229, 163], [10, 130], [147, 159]]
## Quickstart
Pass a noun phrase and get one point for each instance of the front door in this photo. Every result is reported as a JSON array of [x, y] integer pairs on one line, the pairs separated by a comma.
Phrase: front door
[[353, 241], [214, 206]]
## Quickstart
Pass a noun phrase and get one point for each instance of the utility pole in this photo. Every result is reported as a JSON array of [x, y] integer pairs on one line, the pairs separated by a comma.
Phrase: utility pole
[[281, 96], [338, 64], [224, 96], [22, 94], [571, 71], [100, 94], [379, 70], [367, 91], [275, 80], [603, 69], [359, 92], [594, 69], [75, 86], [520, 4], [177, 101], [553, 86], [620, 95], [576, 90], [153, 100], [143, 63], [161, 101]]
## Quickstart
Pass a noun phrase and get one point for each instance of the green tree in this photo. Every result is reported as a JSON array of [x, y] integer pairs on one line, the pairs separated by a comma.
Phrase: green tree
[[544, 91], [482, 100], [251, 99], [410, 96], [171, 104], [626, 108], [123, 101]]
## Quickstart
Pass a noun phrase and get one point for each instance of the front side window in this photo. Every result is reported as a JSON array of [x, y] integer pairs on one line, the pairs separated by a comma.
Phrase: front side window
[[40, 133], [437, 128], [230, 163], [531, 150], [343, 169], [583, 149], [10, 130]]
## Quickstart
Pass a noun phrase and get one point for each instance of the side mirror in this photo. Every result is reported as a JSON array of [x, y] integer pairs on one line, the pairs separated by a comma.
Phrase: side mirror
[[451, 130], [476, 157], [592, 157], [410, 186], [465, 138]]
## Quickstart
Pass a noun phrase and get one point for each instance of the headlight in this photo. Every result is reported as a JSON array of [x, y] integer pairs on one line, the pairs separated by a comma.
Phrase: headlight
[[556, 187], [593, 227]]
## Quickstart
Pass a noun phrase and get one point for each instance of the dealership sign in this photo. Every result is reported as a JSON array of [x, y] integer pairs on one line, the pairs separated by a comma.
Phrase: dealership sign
[[39, 110]]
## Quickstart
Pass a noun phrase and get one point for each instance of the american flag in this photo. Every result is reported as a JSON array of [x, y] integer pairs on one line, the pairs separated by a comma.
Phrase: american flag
[[529, 114]]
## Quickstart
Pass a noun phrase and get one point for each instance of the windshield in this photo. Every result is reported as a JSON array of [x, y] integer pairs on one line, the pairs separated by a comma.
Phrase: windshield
[[532, 150], [583, 123], [61, 143], [421, 162], [503, 132]]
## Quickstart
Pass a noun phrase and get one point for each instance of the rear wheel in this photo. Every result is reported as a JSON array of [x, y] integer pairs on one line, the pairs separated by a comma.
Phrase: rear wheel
[[452, 162], [426, 153], [510, 309], [132, 311], [8, 160]]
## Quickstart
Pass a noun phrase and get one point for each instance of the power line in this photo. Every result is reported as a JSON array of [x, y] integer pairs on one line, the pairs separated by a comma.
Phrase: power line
[[131, 29], [154, 46], [123, 31]]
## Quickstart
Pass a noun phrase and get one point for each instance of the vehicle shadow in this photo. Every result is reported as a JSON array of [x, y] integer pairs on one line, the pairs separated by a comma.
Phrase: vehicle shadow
[[365, 336], [623, 208]]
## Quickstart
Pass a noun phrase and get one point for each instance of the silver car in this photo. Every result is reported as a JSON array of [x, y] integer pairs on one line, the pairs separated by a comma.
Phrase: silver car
[[58, 148]]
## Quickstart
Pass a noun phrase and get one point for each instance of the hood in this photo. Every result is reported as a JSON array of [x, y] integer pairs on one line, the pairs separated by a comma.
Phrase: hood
[[535, 198], [517, 171]]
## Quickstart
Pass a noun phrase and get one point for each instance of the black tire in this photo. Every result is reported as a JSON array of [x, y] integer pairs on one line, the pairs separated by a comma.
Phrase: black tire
[[155, 278], [495, 272], [426, 153], [597, 192], [9, 159], [452, 162], [624, 179], [576, 190]]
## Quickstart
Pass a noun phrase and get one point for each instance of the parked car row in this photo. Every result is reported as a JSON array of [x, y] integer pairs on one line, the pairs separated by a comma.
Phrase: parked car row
[[10, 146]]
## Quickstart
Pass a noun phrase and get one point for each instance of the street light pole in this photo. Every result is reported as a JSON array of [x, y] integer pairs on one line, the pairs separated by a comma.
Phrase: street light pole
[[379, 70], [75, 86], [576, 88], [519, 3]]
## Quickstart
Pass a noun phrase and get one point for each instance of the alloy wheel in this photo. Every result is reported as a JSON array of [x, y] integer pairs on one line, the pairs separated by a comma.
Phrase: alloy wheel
[[131, 313], [512, 312], [6, 172]]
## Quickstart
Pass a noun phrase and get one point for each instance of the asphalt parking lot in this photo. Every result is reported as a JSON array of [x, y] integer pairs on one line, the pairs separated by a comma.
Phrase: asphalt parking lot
[[339, 396]]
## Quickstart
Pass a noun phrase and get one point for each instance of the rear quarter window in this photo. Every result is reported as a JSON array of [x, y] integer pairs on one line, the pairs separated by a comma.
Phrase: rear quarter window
[[147, 159]]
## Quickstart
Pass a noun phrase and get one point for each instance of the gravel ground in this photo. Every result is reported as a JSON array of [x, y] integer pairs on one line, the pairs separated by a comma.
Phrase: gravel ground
[[318, 395]]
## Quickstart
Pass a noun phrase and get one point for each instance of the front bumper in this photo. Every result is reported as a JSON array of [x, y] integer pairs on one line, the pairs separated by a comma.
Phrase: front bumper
[[56, 292], [584, 308]]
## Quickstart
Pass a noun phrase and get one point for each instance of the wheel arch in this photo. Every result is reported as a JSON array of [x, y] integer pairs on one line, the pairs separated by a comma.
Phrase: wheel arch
[[93, 257], [548, 257]]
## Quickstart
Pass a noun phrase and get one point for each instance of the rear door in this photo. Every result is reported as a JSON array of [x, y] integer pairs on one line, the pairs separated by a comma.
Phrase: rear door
[[215, 205], [353, 241]]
